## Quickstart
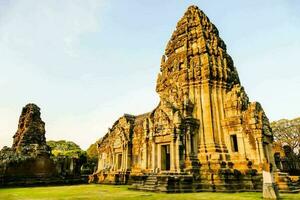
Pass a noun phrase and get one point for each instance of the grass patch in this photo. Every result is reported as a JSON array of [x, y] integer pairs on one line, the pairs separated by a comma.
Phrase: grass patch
[[106, 192]]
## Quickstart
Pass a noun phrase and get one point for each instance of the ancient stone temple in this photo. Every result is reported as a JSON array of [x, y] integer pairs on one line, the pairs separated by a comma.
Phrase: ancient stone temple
[[29, 161], [204, 135]]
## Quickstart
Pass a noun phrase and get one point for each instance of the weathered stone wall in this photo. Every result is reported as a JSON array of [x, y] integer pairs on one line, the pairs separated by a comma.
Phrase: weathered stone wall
[[204, 124]]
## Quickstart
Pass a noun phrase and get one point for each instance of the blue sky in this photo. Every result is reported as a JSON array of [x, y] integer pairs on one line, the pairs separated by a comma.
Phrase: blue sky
[[86, 63]]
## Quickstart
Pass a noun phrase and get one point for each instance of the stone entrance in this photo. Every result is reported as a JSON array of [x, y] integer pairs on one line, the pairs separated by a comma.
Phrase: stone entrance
[[119, 156], [165, 157]]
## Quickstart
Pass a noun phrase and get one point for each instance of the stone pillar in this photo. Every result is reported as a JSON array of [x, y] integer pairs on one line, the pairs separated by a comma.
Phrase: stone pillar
[[241, 144], [270, 190], [260, 150], [114, 163], [158, 156], [128, 156], [215, 114], [153, 155], [189, 153], [188, 143], [201, 136], [144, 162], [221, 116], [124, 158], [207, 117], [177, 167], [123, 166], [172, 155]]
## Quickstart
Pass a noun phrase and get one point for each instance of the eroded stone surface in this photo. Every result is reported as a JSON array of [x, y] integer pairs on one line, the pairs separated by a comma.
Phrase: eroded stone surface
[[29, 161], [31, 128], [204, 125], [31, 131], [270, 190]]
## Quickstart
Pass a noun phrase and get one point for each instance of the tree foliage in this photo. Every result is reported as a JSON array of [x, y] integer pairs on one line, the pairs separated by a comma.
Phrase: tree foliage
[[287, 132], [92, 151], [92, 157], [66, 148]]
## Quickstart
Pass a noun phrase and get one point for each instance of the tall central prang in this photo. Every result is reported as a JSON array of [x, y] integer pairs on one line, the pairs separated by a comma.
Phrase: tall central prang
[[198, 79]]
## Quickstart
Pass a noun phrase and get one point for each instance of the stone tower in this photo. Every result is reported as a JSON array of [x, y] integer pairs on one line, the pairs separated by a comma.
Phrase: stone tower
[[31, 129], [203, 131], [198, 79]]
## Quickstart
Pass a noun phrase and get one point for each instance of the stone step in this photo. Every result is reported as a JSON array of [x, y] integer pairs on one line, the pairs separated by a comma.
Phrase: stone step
[[145, 188], [152, 178], [150, 184], [151, 181]]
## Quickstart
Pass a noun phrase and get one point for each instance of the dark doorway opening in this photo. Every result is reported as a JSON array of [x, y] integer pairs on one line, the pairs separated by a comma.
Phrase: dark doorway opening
[[234, 143], [119, 161], [165, 157]]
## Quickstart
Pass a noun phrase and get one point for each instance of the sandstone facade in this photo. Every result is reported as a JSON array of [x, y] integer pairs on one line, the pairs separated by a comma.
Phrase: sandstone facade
[[203, 135]]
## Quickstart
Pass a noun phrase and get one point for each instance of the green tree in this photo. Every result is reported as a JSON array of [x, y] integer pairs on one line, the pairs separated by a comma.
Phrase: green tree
[[92, 158], [92, 151], [287, 132], [66, 148]]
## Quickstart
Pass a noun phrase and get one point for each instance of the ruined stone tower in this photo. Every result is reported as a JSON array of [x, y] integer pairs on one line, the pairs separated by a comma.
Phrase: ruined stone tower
[[29, 161], [204, 129], [31, 129]]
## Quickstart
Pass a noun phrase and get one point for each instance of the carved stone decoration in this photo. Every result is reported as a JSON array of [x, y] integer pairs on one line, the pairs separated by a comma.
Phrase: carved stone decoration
[[204, 129]]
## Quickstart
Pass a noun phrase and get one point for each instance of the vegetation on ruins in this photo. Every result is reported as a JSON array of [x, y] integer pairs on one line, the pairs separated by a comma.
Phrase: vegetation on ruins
[[9, 157]]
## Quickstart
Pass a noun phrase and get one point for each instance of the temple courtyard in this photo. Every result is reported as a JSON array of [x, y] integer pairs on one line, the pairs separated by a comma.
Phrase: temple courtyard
[[104, 192]]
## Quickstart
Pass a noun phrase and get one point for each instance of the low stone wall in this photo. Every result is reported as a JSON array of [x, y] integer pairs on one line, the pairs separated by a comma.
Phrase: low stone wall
[[26, 181], [40, 170]]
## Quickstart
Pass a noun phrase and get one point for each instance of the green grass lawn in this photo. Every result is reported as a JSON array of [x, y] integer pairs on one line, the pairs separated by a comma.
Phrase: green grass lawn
[[104, 192]]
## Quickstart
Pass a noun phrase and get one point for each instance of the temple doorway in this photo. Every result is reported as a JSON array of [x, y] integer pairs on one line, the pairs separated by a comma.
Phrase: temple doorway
[[165, 157], [119, 156]]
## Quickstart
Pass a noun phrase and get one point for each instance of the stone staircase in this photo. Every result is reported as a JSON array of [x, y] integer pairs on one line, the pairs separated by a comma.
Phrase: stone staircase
[[150, 184], [169, 183], [287, 184]]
